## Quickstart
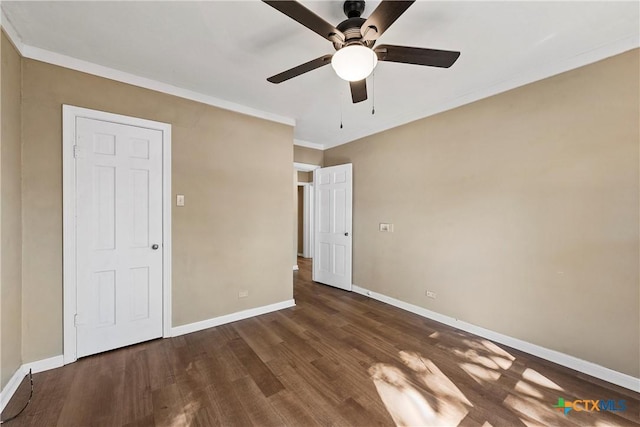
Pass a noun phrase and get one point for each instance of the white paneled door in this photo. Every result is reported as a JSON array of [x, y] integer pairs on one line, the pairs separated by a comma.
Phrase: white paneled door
[[332, 212], [119, 235]]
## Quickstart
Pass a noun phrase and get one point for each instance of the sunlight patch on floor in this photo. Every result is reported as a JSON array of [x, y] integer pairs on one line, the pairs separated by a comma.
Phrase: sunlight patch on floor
[[480, 374], [537, 378], [473, 356], [405, 403], [417, 392], [534, 412], [502, 362], [190, 411], [433, 378], [524, 387], [420, 394]]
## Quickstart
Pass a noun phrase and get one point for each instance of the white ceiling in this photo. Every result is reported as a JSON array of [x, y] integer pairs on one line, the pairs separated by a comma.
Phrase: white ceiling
[[227, 49]]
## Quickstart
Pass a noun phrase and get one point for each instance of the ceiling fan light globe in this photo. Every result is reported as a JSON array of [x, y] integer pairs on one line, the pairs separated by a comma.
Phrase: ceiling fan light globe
[[354, 63]]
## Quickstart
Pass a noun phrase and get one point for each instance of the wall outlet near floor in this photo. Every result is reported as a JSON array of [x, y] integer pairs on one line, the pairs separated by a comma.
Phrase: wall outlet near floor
[[430, 294], [243, 294]]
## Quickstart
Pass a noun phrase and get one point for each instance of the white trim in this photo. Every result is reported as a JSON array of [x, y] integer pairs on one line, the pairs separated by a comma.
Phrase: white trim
[[167, 242], [307, 216], [65, 61], [38, 366], [72, 63], [68, 237], [305, 167], [589, 368], [9, 390], [44, 364], [307, 144], [296, 267], [532, 75], [11, 32], [543, 71], [69, 116], [228, 318], [58, 361]]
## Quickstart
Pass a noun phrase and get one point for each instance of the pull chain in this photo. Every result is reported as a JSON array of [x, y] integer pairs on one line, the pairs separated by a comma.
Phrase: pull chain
[[373, 90], [373, 93], [341, 96]]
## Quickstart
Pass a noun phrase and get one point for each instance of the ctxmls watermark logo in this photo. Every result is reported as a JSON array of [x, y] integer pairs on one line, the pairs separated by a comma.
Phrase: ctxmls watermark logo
[[589, 405]]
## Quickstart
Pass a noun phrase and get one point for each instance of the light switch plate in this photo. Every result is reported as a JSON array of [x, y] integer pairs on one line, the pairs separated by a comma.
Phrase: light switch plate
[[386, 227], [180, 200]]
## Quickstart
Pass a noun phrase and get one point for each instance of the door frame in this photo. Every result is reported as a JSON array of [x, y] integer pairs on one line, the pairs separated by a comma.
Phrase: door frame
[[308, 199], [315, 276], [69, 281], [307, 219]]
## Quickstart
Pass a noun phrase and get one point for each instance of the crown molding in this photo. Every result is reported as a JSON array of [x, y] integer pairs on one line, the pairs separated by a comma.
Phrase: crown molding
[[305, 167], [542, 72], [11, 32], [307, 144], [65, 61], [132, 79]]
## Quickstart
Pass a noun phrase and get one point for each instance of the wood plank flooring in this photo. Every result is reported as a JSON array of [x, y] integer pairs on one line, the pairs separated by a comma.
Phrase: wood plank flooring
[[337, 358]]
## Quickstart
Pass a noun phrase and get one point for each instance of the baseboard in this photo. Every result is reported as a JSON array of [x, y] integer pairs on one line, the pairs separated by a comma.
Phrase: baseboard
[[44, 364], [296, 268], [572, 362], [228, 318], [11, 387], [35, 367], [57, 361]]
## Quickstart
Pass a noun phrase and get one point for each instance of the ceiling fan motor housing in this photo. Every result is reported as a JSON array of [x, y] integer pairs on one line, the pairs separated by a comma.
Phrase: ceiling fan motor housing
[[353, 8], [351, 30]]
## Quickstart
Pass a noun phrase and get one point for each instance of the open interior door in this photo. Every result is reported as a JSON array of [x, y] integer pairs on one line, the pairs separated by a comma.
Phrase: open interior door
[[332, 213]]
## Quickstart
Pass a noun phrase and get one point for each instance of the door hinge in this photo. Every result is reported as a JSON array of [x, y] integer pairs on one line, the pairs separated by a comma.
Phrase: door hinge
[[76, 151], [75, 320]]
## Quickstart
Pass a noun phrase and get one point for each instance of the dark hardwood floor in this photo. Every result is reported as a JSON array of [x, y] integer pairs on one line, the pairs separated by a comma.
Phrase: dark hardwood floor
[[337, 358]]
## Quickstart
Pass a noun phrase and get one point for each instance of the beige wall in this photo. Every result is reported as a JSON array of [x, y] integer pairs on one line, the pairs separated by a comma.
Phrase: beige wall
[[309, 156], [520, 211], [305, 176], [10, 215], [234, 232]]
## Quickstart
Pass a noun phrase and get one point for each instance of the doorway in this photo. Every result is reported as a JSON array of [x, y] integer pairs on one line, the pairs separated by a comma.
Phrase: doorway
[[116, 231], [304, 204]]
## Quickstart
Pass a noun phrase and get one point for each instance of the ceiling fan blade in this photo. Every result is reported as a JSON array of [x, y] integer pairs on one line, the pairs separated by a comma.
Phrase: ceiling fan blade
[[304, 16], [301, 69], [416, 55], [358, 90], [381, 19]]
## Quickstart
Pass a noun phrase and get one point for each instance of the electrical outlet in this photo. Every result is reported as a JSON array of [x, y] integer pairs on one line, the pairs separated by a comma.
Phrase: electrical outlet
[[430, 294], [386, 227], [243, 294]]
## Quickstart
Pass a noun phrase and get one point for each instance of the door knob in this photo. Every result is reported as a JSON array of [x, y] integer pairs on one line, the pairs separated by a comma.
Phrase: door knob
[[154, 246], [346, 234]]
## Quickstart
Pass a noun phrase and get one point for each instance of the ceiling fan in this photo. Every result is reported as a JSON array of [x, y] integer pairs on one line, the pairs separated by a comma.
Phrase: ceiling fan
[[354, 38]]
